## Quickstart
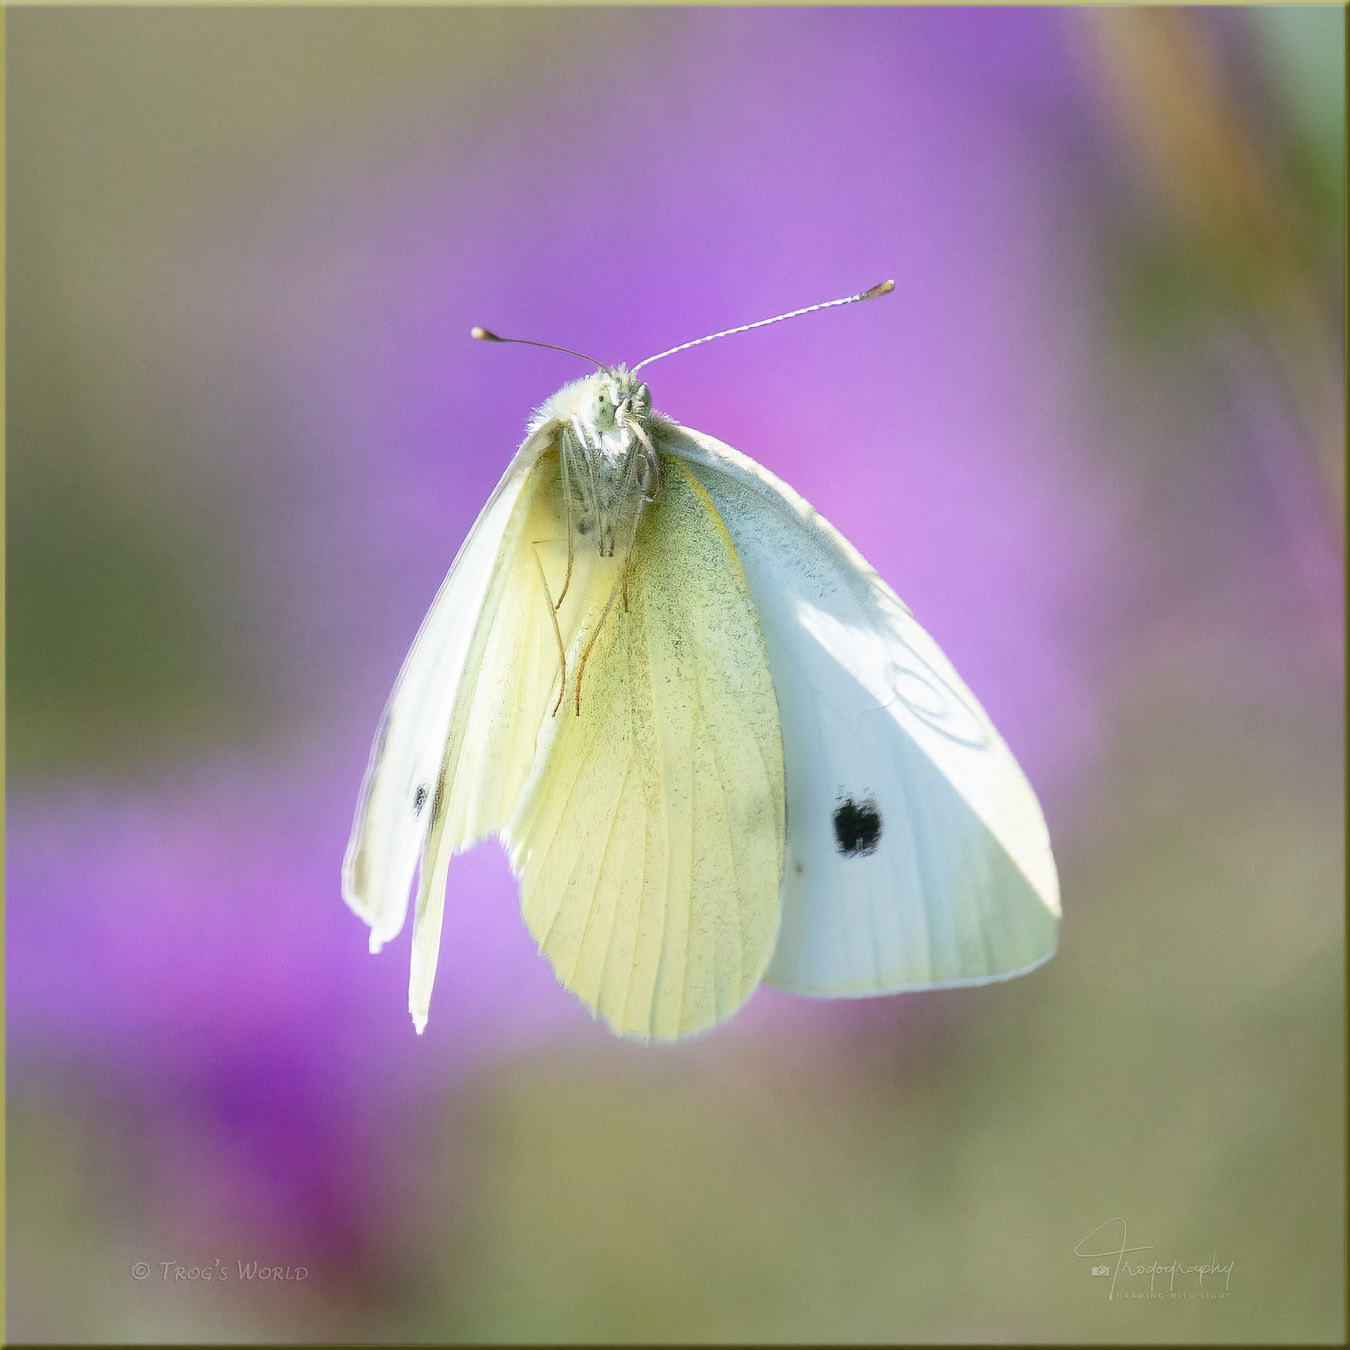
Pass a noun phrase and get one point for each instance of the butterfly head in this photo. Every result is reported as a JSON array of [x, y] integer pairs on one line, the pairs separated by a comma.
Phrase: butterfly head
[[602, 427], [606, 403], [616, 397]]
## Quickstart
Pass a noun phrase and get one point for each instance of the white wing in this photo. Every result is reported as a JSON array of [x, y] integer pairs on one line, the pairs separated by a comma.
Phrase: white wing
[[917, 854], [394, 809]]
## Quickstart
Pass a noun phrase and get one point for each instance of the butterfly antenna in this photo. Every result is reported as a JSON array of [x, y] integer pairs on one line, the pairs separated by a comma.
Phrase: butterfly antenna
[[883, 288], [484, 335]]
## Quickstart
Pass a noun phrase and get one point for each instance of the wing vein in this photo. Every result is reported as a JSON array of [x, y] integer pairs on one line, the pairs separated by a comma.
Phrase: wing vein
[[741, 897], [600, 878], [559, 834]]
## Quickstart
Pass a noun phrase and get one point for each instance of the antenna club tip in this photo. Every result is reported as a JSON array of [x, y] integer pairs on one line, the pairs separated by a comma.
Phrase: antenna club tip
[[882, 288], [483, 335]]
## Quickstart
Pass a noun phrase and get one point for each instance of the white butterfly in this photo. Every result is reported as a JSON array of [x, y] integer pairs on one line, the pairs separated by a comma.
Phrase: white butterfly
[[718, 748]]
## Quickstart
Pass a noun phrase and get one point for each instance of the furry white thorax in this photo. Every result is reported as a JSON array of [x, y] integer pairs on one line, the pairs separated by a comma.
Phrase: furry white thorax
[[610, 468]]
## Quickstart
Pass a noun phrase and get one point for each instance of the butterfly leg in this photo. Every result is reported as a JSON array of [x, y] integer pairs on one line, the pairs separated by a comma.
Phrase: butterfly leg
[[557, 633], [627, 558], [588, 455], [567, 511], [585, 655]]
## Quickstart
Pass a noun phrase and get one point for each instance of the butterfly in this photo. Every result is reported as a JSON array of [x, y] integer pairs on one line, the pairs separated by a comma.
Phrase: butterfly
[[719, 750]]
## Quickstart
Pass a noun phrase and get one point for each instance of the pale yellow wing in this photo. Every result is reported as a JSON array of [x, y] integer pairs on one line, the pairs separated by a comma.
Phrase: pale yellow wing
[[649, 839], [510, 679]]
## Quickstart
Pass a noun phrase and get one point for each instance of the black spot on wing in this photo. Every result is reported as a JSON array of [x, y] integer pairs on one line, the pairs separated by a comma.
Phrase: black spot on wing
[[420, 800], [857, 827]]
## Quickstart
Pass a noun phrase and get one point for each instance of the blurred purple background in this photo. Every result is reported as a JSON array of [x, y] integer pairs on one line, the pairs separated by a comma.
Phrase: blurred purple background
[[1093, 441]]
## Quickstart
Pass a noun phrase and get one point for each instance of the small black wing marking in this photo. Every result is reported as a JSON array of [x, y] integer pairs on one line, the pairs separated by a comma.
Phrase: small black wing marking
[[857, 827], [420, 800]]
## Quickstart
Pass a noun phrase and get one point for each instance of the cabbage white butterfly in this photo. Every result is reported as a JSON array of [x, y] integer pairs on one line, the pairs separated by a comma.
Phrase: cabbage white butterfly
[[718, 749]]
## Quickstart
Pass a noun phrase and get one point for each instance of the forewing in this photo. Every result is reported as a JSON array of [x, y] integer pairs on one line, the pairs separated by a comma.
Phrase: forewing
[[512, 679], [396, 801], [649, 840], [917, 854]]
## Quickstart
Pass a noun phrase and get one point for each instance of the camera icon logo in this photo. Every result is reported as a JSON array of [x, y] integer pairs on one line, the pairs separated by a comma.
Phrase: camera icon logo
[[1101, 1270]]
